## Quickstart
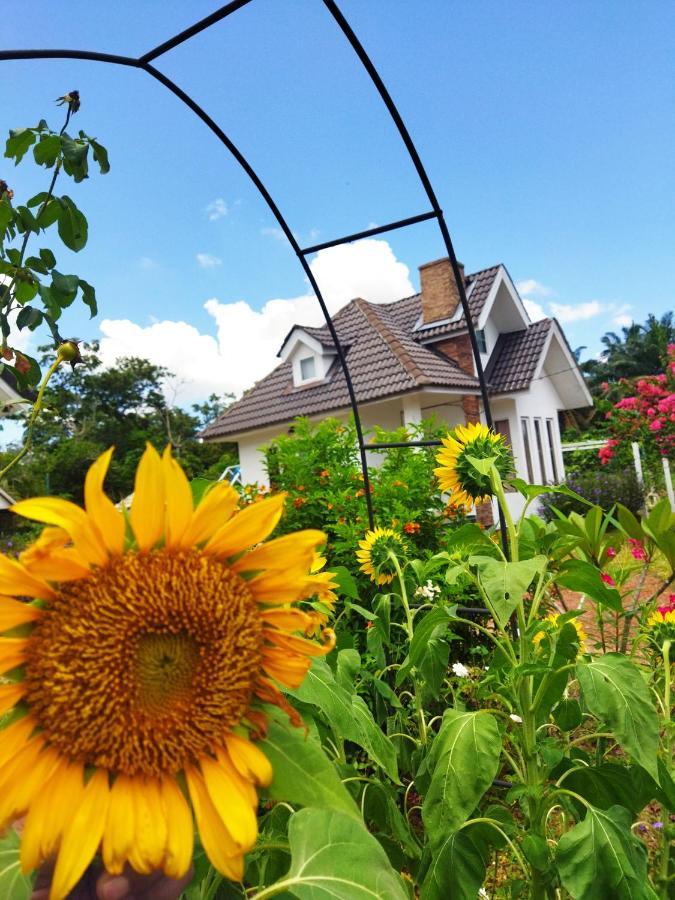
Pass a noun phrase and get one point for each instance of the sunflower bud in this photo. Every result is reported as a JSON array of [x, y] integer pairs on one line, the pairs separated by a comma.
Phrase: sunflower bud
[[68, 351]]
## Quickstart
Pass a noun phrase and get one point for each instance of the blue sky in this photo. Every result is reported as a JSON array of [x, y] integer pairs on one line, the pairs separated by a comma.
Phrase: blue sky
[[547, 131]]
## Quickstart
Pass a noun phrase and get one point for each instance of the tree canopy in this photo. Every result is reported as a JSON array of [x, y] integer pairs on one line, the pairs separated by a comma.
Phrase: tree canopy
[[640, 350], [92, 408]]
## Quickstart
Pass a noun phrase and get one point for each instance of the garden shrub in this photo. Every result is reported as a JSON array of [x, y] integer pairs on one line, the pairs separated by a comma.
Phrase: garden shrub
[[602, 488]]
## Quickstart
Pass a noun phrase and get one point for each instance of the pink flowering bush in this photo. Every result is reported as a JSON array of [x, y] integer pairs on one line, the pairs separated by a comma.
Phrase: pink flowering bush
[[646, 412]]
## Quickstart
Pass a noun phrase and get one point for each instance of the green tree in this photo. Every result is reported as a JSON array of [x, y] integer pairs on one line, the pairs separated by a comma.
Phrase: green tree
[[91, 408], [640, 350]]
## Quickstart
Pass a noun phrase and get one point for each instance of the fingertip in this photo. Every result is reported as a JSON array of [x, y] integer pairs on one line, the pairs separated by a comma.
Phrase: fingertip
[[113, 887]]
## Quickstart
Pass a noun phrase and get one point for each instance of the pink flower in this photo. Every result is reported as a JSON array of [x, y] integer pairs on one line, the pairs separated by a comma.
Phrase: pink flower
[[656, 425], [611, 552], [608, 579], [637, 550]]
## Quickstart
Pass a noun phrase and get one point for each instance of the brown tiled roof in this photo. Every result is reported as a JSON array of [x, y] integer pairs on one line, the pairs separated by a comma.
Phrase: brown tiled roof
[[478, 287], [383, 361], [515, 357]]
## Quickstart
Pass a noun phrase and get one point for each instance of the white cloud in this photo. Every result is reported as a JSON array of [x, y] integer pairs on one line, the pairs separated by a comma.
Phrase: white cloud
[[147, 263], [534, 310], [247, 340], [567, 312], [275, 233], [207, 261], [622, 317], [216, 209], [530, 286]]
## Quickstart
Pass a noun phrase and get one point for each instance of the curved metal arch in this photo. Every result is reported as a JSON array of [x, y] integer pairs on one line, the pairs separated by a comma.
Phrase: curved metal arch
[[144, 63]]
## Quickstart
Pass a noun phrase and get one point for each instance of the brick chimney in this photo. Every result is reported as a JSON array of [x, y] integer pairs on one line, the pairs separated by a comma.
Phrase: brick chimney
[[440, 297]]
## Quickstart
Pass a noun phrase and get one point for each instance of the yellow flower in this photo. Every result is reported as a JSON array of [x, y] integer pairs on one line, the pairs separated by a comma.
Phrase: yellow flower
[[551, 624], [374, 554], [457, 476], [138, 673]]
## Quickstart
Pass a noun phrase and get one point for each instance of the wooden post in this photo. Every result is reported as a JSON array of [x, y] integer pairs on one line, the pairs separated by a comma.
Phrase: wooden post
[[669, 482]]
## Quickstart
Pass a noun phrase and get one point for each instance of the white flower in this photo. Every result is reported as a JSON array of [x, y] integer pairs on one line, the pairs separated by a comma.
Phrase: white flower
[[428, 591], [483, 894], [515, 718], [460, 670]]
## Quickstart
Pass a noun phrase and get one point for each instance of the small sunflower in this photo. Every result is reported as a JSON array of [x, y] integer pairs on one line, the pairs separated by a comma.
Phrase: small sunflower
[[138, 672], [374, 554], [551, 623], [660, 625], [457, 476]]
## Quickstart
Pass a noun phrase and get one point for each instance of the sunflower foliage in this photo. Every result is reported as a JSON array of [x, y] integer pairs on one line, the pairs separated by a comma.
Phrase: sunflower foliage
[[196, 684]]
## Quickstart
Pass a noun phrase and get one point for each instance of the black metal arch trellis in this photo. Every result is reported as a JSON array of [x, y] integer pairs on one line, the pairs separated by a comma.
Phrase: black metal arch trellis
[[144, 63]]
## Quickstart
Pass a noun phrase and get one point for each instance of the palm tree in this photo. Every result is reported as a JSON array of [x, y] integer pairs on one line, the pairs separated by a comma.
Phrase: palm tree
[[641, 350]]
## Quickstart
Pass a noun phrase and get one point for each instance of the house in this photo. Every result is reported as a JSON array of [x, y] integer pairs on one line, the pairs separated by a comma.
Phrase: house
[[412, 358], [9, 398]]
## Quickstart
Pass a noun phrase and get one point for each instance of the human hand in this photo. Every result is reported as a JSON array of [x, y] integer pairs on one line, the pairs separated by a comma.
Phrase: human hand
[[97, 885]]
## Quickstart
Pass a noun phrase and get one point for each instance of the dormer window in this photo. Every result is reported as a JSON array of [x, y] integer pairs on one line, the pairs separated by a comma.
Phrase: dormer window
[[307, 368]]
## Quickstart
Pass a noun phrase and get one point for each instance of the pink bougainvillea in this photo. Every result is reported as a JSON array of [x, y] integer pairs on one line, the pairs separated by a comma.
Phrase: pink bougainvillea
[[645, 413]]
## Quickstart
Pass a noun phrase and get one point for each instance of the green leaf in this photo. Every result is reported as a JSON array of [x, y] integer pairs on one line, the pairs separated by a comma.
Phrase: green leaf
[[333, 857], [29, 317], [303, 774], [24, 291], [49, 214], [464, 762], [72, 225], [457, 870], [599, 858], [6, 214], [505, 583], [348, 714], [20, 140], [484, 466], [610, 784], [581, 576], [346, 584], [616, 693], [101, 156], [75, 157], [567, 715], [48, 257], [64, 284], [37, 265], [46, 150], [27, 218], [470, 540], [88, 296], [13, 884]]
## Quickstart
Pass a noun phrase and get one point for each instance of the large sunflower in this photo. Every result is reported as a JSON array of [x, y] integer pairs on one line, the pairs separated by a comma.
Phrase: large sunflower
[[456, 474], [131, 683], [375, 551]]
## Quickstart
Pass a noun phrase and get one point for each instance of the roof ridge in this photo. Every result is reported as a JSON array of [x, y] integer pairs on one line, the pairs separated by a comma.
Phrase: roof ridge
[[391, 340]]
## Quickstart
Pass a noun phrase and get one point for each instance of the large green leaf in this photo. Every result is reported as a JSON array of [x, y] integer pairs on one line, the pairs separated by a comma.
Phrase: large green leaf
[[72, 225], [18, 143], [457, 869], [464, 762], [333, 857], [616, 693], [347, 713], [599, 858], [303, 774], [13, 884], [581, 576], [506, 582], [429, 650]]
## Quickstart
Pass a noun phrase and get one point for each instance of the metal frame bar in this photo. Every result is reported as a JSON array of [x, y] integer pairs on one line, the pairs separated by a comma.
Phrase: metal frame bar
[[143, 63]]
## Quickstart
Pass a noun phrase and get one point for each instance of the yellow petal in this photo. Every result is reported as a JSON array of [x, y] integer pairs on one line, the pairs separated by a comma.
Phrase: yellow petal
[[13, 613], [119, 833], [82, 836], [23, 778], [214, 510], [231, 803], [297, 644], [150, 828], [14, 737], [180, 837], [147, 508], [178, 499], [73, 520], [49, 813], [61, 565], [296, 550], [12, 653], [277, 588], [288, 619], [249, 760], [221, 850], [286, 668], [248, 527], [101, 509], [10, 695], [14, 579]]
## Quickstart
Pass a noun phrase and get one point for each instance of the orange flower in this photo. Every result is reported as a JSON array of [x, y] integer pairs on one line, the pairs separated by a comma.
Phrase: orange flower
[[298, 502], [411, 527]]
